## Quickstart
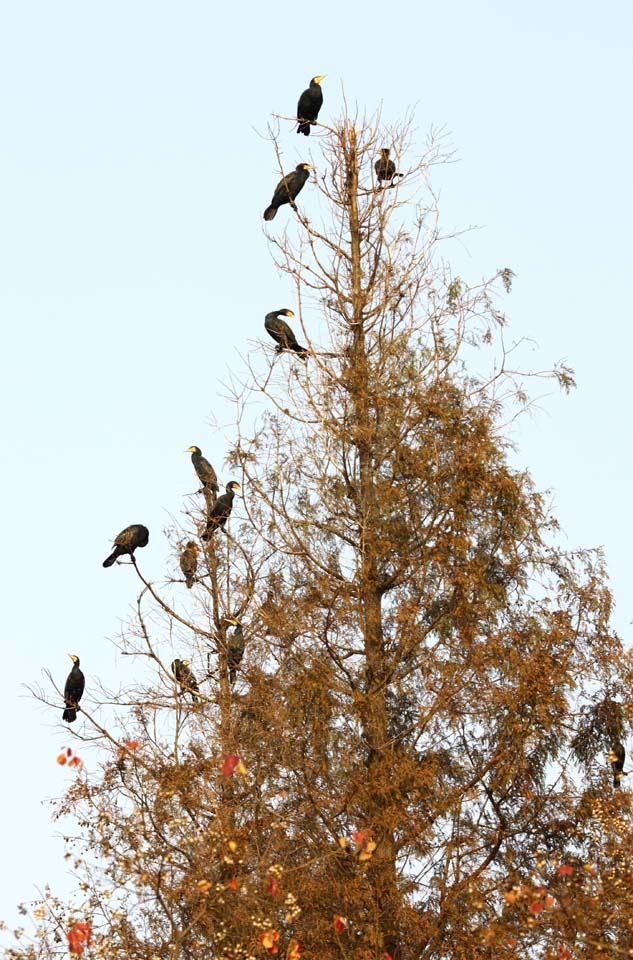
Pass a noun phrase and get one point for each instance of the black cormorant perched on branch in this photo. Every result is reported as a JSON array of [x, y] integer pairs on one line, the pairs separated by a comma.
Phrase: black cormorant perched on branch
[[127, 541], [73, 690], [616, 757], [310, 102], [221, 510], [186, 679], [234, 649], [287, 189], [205, 472], [189, 563], [282, 333], [384, 167]]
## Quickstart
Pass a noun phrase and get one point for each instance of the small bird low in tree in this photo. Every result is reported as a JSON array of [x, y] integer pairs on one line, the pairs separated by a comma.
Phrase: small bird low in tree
[[189, 563], [73, 690], [282, 333], [385, 168], [310, 102], [234, 649], [126, 543], [205, 473], [616, 757], [186, 679], [288, 189], [221, 510]]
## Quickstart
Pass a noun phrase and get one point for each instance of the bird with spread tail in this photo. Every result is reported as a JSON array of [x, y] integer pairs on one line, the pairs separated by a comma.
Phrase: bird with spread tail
[[188, 683], [384, 167], [221, 510], [127, 541], [73, 690], [287, 190], [310, 102], [189, 563], [204, 471], [282, 333]]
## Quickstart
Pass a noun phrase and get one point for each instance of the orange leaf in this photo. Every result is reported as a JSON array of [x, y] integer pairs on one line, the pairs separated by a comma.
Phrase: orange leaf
[[204, 886], [549, 902], [61, 759], [229, 765], [75, 762], [359, 838], [535, 907], [387, 956], [511, 896], [294, 950], [233, 884], [512, 941], [343, 842], [241, 769], [132, 744], [268, 939], [339, 923], [565, 871]]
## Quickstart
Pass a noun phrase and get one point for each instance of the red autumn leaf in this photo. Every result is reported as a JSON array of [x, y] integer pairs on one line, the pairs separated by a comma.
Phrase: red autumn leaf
[[229, 765], [339, 923], [268, 940], [233, 884], [563, 952], [387, 956], [294, 950], [512, 941], [565, 871], [79, 936], [273, 889], [359, 838], [69, 752], [75, 762], [535, 907]]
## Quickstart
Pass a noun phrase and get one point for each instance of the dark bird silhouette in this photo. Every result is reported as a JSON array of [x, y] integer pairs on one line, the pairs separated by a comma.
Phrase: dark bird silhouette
[[234, 649], [282, 333], [186, 679], [221, 510], [616, 757], [310, 102], [286, 191], [73, 690], [384, 167], [189, 563], [127, 541], [205, 472]]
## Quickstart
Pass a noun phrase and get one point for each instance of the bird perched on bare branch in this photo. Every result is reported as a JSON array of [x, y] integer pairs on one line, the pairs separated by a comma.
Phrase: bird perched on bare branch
[[384, 167], [310, 102], [127, 542], [186, 679], [282, 333], [73, 690], [286, 191], [205, 473], [234, 649], [221, 510], [189, 563]]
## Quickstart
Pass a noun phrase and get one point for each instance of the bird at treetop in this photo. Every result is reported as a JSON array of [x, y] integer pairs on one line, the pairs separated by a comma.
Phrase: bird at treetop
[[384, 167], [221, 510], [189, 563], [310, 102], [616, 757], [287, 189], [127, 541], [186, 679], [282, 333], [73, 690], [205, 472], [234, 649]]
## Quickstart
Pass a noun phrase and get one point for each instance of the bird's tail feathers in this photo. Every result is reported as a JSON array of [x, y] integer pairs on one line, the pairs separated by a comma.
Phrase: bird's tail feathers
[[270, 213], [113, 556], [304, 127], [69, 714]]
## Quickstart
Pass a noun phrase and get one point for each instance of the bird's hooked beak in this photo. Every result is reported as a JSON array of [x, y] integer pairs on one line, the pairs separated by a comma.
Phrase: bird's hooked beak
[[288, 313], [190, 450]]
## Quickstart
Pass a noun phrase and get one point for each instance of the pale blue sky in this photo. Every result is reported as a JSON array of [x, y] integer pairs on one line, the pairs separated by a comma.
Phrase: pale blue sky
[[132, 271]]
